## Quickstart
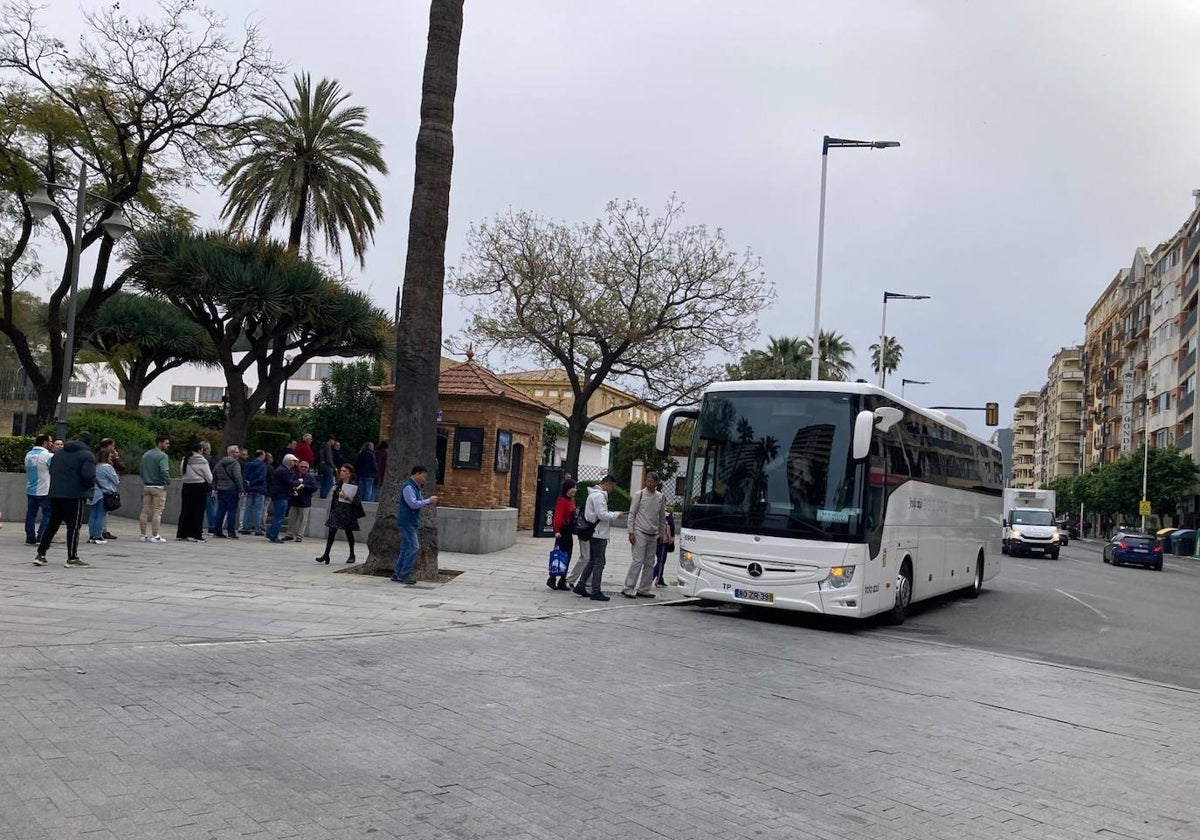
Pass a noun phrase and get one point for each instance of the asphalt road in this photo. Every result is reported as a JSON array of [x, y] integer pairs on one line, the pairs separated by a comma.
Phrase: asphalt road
[[1074, 611]]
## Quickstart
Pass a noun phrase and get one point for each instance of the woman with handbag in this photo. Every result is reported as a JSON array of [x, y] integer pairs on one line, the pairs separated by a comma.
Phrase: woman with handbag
[[564, 530], [107, 484], [197, 487], [345, 509]]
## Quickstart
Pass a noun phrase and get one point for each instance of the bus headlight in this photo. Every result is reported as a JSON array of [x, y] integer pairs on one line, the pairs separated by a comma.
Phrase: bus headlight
[[687, 561], [839, 577]]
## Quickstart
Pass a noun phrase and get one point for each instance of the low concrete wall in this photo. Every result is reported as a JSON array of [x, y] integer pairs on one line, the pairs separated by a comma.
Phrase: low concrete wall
[[476, 531]]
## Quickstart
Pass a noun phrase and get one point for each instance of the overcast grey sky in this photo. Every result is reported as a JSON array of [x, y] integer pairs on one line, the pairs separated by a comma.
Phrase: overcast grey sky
[[1042, 143]]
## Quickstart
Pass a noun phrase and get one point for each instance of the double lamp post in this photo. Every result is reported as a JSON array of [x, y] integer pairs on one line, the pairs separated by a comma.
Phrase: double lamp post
[[114, 226], [828, 143]]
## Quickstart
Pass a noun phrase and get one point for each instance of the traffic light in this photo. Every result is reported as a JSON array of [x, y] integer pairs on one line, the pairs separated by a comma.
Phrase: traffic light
[[992, 413]]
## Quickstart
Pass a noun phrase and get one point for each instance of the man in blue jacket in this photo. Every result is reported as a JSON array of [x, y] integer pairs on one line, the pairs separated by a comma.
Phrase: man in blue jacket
[[254, 482], [37, 490], [283, 481], [408, 514], [72, 476]]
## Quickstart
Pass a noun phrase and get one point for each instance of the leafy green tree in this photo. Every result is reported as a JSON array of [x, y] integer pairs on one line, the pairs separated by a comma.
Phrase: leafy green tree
[[141, 338], [1116, 488], [552, 433], [413, 435], [204, 416], [631, 299], [261, 304], [636, 443], [892, 355], [146, 105], [344, 406]]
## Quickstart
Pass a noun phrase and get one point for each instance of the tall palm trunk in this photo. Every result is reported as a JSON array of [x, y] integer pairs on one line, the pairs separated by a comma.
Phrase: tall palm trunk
[[413, 436]]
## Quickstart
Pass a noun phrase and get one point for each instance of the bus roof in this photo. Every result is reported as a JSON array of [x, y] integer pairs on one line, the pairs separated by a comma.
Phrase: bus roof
[[828, 387]]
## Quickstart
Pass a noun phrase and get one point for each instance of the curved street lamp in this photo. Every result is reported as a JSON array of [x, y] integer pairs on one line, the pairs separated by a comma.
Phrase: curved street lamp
[[883, 328], [828, 143], [114, 226]]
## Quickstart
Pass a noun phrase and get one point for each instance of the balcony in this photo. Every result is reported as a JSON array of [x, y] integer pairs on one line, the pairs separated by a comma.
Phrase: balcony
[[1188, 362], [1185, 442], [1071, 374], [1189, 288], [1185, 404], [1188, 323]]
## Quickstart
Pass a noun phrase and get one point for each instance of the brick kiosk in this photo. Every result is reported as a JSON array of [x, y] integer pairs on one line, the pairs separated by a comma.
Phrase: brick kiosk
[[489, 448]]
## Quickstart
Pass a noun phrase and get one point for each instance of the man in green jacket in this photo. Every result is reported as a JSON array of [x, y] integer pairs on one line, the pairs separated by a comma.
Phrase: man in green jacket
[[156, 477]]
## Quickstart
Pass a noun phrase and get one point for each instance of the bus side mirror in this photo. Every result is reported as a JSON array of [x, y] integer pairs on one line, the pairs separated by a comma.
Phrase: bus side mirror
[[864, 424]]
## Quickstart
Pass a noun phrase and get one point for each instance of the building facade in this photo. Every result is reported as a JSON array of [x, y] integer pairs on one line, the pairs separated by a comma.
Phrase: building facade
[[1025, 441], [1062, 431]]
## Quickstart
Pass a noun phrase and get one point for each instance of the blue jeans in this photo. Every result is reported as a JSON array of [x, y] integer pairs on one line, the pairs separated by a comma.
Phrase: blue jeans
[[96, 516], [278, 517], [210, 512], [326, 482], [408, 552], [32, 505], [366, 486], [227, 502], [252, 513]]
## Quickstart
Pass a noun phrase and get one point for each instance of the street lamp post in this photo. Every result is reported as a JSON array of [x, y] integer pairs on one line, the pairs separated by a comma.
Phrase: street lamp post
[[826, 144], [115, 226], [904, 382], [883, 329]]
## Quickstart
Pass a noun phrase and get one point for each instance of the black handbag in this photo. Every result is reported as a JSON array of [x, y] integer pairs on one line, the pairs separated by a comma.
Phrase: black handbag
[[112, 500]]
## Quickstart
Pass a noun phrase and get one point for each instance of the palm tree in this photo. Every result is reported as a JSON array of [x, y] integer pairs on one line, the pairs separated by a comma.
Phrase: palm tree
[[892, 355], [413, 435], [309, 167], [835, 361]]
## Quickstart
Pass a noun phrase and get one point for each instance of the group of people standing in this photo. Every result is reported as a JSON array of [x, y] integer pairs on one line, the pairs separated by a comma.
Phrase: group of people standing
[[651, 535], [67, 481]]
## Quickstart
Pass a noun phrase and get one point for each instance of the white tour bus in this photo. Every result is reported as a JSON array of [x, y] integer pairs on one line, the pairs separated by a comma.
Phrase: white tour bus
[[832, 497]]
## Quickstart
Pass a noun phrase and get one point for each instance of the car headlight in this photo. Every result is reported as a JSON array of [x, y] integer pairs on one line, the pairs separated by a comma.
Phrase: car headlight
[[1055, 536], [839, 577], [1014, 534], [687, 561]]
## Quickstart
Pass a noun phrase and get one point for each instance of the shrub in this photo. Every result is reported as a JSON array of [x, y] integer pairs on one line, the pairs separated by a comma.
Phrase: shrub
[[618, 499], [284, 424], [273, 442], [204, 416], [12, 453], [130, 429]]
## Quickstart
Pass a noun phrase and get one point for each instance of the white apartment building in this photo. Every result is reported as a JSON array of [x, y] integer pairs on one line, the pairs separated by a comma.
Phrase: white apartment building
[[1166, 278]]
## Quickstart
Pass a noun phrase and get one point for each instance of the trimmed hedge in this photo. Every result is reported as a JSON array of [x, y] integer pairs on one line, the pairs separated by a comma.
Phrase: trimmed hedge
[[12, 452]]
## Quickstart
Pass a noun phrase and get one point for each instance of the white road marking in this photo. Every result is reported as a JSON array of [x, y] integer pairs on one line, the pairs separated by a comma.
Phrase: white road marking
[[1084, 603]]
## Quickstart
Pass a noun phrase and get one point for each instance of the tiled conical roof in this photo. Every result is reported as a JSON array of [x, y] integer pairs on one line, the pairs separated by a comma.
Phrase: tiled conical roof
[[472, 380]]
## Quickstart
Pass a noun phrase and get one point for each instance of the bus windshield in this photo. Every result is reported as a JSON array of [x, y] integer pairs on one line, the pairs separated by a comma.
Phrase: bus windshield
[[775, 464]]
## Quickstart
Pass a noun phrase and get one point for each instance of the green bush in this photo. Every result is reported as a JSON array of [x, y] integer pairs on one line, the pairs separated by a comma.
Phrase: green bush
[[618, 498], [130, 429], [12, 453], [273, 442], [284, 424], [204, 416]]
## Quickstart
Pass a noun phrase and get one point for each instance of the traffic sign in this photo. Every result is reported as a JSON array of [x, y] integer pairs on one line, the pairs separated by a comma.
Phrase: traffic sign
[[1143, 508]]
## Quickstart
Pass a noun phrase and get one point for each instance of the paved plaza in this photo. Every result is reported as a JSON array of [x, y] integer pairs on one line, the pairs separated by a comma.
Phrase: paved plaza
[[238, 690]]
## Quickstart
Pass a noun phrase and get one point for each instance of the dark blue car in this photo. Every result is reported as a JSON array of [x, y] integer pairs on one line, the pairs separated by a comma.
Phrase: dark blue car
[[1134, 549]]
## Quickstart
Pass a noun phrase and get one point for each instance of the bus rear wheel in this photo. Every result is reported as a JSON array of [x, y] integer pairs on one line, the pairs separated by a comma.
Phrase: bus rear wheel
[[976, 586], [899, 610]]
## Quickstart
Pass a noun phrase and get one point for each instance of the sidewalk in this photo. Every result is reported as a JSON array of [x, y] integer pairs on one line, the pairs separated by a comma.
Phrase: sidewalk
[[253, 590]]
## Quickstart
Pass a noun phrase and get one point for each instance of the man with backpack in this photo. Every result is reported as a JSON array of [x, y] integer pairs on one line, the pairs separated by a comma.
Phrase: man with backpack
[[597, 519]]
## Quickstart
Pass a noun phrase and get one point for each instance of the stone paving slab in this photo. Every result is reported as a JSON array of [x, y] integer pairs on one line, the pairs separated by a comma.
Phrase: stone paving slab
[[252, 589]]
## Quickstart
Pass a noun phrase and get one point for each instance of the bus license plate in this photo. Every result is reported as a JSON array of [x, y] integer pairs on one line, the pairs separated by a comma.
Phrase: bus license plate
[[752, 595]]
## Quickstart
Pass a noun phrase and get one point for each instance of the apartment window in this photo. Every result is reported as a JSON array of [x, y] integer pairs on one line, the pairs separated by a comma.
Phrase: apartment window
[[552, 392], [77, 389], [322, 370], [303, 372], [297, 399], [183, 393], [539, 392], [209, 394]]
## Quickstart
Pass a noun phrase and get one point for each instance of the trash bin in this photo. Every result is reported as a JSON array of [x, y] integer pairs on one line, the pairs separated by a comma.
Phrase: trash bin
[[1183, 542]]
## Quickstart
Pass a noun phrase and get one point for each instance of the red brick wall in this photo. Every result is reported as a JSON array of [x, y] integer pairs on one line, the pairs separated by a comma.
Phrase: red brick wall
[[484, 487]]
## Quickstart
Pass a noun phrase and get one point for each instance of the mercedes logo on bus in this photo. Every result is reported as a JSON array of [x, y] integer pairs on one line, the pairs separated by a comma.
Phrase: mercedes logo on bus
[[755, 570]]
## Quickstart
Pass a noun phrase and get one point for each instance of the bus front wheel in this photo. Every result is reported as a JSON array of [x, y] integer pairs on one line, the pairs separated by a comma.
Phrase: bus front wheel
[[899, 610]]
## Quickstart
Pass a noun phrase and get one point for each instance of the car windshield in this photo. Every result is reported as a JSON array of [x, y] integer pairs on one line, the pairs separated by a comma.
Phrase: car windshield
[[1032, 517], [775, 463]]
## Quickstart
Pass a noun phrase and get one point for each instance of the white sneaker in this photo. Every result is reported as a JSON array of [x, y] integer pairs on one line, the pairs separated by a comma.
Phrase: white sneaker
[[157, 539], [99, 541], [143, 538]]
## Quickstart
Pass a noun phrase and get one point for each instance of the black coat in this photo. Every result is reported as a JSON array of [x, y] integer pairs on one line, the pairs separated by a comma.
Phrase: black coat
[[72, 472]]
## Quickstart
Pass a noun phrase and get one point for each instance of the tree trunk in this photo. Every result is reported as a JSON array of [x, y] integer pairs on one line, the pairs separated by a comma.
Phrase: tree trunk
[[576, 428], [238, 420], [413, 435]]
